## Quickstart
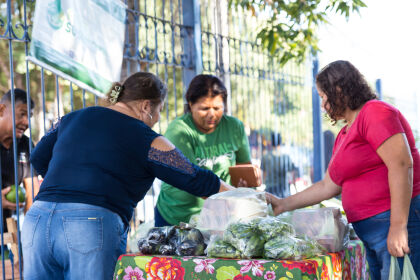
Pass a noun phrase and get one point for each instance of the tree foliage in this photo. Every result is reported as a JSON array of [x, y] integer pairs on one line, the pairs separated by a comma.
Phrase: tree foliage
[[289, 31]]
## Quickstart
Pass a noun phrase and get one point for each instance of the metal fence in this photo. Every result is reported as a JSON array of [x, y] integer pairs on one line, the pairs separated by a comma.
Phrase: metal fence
[[177, 39]]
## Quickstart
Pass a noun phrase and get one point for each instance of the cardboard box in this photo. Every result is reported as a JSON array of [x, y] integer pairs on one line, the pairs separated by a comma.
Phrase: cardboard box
[[248, 172]]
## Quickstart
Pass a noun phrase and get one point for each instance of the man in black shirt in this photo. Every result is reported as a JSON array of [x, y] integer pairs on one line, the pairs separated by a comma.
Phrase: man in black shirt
[[6, 149]]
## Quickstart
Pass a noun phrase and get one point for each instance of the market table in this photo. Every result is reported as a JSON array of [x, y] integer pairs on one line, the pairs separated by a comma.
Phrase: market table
[[347, 264]]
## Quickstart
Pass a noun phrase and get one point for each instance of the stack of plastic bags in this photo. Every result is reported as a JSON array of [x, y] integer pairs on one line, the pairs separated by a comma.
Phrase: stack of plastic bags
[[262, 237], [225, 208]]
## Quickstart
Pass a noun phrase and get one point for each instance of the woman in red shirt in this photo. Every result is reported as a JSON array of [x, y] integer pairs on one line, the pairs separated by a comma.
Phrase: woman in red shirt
[[375, 167]]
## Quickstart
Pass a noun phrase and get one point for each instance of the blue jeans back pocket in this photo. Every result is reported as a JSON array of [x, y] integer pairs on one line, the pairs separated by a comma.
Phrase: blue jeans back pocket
[[28, 229], [83, 234]]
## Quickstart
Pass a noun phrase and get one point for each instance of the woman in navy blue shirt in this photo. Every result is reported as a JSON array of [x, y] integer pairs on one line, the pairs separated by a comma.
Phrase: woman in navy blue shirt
[[97, 164]]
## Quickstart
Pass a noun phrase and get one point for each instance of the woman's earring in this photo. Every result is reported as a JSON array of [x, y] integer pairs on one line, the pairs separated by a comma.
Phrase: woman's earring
[[150, 115]]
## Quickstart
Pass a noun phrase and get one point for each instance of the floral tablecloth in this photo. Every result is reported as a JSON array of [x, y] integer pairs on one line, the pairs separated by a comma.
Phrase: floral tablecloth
[[347, 264]]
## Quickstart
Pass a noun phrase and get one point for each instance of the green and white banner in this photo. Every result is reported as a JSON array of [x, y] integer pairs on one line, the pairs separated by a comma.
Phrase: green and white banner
[[80, 40]]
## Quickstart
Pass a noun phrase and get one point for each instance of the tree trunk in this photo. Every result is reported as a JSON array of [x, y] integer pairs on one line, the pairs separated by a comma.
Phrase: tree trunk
[[130, 63]]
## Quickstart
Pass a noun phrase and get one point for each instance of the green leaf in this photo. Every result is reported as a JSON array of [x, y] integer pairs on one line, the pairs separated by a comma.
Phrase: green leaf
[[279, 34], [141, 261], [226, 272]]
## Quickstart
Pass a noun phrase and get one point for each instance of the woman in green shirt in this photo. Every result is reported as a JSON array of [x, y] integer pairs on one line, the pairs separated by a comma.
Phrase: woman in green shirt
[[209, 139]]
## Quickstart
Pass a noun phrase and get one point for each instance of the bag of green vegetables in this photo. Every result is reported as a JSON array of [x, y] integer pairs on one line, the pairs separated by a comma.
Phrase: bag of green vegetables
[[271, 227], [291, 248], [218, 248], [246, 238]]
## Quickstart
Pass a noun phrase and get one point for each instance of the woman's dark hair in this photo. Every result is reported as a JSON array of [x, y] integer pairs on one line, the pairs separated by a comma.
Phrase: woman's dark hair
[[344, 86], [203, 85], [140, 85]]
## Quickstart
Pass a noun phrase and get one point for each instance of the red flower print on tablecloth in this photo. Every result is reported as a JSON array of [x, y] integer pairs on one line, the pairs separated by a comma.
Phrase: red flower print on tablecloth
[[242, 277], [204, 264], [164, 269], [324, 274], [255, 266], [270, 275], [336, 265], [306, 266], [133, 274]]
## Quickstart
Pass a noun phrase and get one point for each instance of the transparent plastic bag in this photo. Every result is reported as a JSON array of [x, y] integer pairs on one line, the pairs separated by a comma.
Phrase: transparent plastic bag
[[408, 271], [218, 248], [271, 227], [291, 248], [224, 208], [279, 248], [246, 238], [194, 220], [326, 225], [308, 247]]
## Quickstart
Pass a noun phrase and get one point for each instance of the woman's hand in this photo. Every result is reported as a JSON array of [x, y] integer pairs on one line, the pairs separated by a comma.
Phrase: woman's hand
[[398, 241], [278, 204], [395, 153], [316, 193], [225, 186]]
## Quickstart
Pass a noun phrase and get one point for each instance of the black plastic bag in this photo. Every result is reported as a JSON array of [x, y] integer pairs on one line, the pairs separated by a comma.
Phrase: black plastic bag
[[180, 240], [187, 241]]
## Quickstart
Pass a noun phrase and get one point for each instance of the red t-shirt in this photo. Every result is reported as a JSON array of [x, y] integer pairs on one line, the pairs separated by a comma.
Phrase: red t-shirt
[[358, 169]]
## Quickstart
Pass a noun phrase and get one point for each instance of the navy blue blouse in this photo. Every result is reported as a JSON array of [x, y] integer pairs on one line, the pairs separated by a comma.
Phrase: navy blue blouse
[[102, 157]]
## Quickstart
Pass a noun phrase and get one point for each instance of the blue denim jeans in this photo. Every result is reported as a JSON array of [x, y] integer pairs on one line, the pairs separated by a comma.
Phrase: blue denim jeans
[[373, 232], [71, 241]]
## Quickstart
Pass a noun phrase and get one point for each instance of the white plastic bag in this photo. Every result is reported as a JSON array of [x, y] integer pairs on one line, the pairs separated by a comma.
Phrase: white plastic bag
[[326, 225], [223, 208], [408, 270]]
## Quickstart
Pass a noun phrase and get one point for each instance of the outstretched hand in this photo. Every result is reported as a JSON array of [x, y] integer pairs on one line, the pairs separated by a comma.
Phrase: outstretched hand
[[278, 204]]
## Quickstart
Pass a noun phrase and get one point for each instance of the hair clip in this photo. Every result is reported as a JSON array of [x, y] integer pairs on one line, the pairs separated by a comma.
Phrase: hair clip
[[114, 94]]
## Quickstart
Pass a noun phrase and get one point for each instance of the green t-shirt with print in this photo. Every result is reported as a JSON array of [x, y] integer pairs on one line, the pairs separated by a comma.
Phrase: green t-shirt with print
[[216, 151]]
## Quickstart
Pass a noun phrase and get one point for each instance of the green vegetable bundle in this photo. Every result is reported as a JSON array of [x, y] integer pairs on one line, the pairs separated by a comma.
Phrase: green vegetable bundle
[[272, 227], [218, 248], [291, 248], [246, 238]]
